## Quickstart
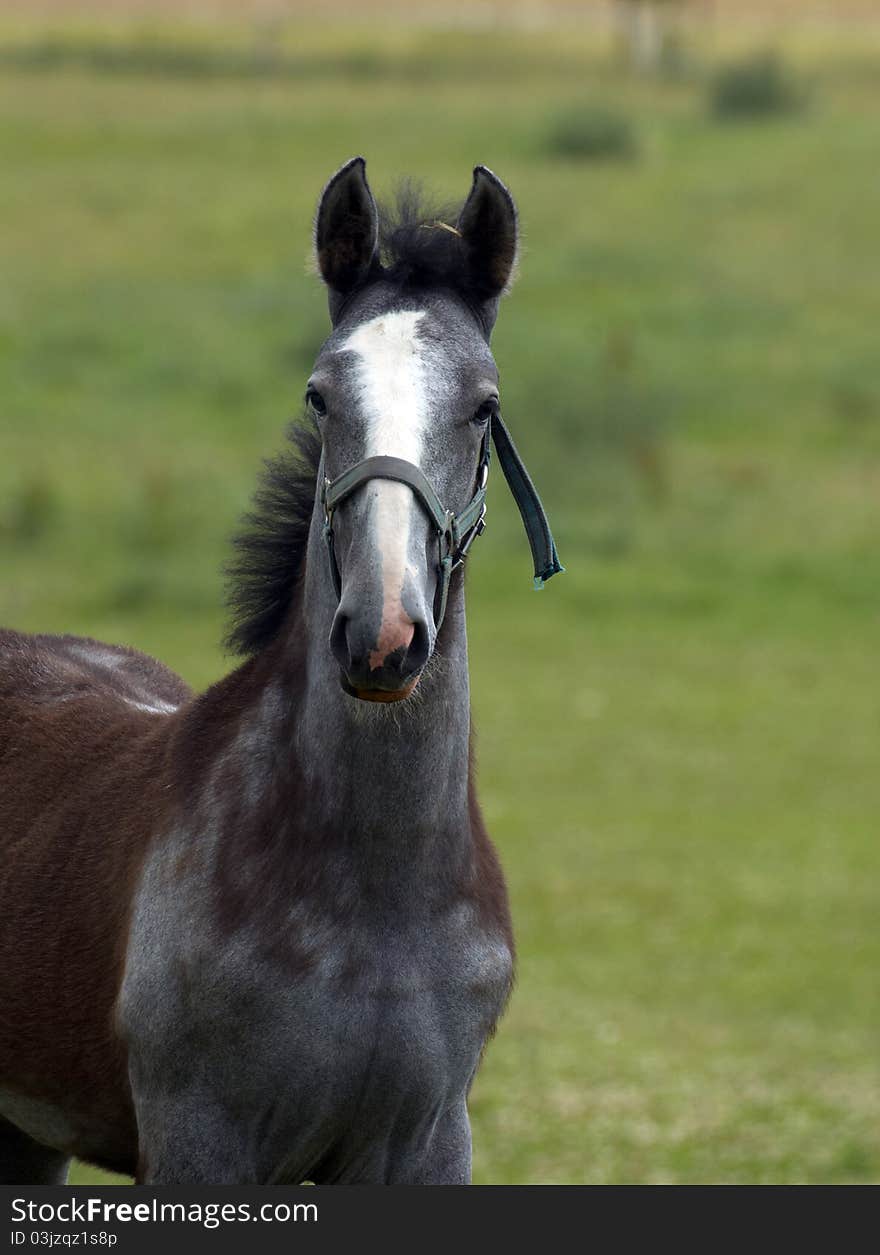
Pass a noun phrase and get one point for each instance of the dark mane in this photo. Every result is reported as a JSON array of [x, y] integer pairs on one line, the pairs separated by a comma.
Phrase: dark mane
[[419, 246], [270, 548]]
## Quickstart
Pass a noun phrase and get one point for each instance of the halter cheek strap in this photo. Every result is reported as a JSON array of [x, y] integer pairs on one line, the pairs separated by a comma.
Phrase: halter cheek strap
[[455, 532]]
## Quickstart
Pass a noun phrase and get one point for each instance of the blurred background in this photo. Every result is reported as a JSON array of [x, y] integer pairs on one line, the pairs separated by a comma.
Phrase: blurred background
[[677, 739]]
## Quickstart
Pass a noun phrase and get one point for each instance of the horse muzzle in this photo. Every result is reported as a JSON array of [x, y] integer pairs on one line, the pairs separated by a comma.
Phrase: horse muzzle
[[383, 668]]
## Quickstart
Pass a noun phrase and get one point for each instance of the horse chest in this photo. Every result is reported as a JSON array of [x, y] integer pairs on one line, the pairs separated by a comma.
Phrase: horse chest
[[403, 1011], [339, 1035], [359, 1022]]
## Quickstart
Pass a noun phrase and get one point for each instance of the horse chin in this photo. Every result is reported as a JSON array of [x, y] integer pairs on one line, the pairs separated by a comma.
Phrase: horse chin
[[380, 695]]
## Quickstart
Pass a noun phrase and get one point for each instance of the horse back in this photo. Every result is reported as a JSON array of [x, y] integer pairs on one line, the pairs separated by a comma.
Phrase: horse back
[[86, 735]]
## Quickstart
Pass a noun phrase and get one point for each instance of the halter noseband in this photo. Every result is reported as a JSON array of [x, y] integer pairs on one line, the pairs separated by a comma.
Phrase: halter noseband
[[455, 532]]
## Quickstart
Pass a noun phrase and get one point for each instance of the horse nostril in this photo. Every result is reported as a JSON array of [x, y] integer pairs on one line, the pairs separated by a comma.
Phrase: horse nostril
[[419, 647]]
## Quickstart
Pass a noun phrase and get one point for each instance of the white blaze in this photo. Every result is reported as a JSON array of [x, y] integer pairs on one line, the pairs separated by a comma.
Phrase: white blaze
[[393, 395]]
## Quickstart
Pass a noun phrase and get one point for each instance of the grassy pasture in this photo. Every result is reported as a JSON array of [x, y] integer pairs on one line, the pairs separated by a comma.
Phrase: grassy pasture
[[678, 739]]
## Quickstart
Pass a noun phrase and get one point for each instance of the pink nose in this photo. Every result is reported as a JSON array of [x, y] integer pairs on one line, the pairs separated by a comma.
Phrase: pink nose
[[395, 634], [389, 663]]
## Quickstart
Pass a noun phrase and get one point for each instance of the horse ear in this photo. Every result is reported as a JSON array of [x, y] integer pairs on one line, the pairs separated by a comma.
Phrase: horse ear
[[488, 228], [346, 229]]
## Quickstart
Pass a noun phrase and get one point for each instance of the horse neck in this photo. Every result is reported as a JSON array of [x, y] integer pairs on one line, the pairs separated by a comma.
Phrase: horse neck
[[381, 791], [399, 771]]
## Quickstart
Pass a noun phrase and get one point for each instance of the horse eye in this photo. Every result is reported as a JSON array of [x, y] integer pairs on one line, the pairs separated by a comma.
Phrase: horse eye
[[486, 411], [316, 401]]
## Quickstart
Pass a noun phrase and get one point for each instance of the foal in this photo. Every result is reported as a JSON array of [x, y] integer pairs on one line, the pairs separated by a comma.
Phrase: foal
[[260, 935]]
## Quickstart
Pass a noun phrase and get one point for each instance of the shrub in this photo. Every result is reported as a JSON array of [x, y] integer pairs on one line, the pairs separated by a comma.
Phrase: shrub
[[29, 511], [592, 133], [758, 86]]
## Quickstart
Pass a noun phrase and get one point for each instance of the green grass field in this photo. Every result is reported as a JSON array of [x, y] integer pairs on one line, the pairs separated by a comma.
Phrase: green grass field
[[678, 739]]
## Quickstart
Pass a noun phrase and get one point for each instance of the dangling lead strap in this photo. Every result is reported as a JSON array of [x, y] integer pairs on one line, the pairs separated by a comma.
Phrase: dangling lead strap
[[525, 494]]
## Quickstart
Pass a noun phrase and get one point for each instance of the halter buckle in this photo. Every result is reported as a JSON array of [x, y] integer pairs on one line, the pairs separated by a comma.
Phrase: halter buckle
[[468, 539]]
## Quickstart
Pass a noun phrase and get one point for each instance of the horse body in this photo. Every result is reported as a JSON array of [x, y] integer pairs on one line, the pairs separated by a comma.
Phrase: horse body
[[260, 934], [305, 987], [333, 946]]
